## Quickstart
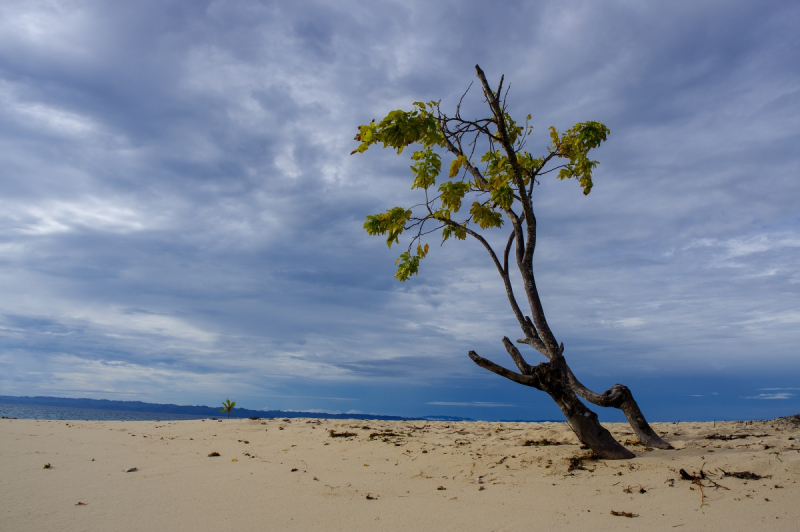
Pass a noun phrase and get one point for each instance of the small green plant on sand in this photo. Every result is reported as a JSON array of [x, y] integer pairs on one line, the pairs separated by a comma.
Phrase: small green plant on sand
[[227, 406]]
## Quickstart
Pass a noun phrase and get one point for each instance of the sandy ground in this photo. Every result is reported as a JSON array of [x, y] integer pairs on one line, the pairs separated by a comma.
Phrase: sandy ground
[[279, 474]]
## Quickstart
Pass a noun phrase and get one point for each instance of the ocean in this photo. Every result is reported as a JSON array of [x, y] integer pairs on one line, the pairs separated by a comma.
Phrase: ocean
[[86, 414]]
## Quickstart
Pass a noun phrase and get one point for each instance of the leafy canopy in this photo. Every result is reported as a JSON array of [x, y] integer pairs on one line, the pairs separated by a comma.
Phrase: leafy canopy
[[491, 189]]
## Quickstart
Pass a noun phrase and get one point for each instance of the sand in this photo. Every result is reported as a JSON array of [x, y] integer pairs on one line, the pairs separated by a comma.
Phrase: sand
[[280, 474]]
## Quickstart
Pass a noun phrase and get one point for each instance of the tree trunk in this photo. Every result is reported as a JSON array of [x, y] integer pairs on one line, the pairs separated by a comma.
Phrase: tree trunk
[[619, 396], [552, 378]]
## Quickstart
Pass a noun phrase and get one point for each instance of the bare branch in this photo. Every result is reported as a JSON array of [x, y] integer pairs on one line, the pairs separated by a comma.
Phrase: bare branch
[[480, 239], [500, 86], [458, 107], [508, 250], [527, 380], [471, 169], [500, 123], [523, 366], [536, 344], [552, 169], [506, 279]]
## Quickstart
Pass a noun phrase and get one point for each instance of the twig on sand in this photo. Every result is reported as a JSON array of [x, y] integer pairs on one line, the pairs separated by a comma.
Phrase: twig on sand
[[541, 443], [335, 434], [698, 478], [744, 475]]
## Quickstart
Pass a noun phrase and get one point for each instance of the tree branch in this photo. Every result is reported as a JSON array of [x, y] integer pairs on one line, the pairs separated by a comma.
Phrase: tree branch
[[508, 250], [523, 366], [506, 279], [524, 254], [536, 344], [500, 122], [534, 341], [527, 380], [471, 169]]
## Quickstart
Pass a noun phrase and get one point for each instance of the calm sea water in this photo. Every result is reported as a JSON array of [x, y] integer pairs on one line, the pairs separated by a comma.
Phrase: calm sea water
[[86, 414]]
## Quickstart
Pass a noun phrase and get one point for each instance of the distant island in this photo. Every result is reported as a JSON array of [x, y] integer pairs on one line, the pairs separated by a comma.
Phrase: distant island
[[195, 410]]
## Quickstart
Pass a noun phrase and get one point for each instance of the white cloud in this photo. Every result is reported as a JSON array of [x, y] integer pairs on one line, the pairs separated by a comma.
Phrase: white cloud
[[113, 215], [772, 396], [630, 322], [481, 404], [745, 246]]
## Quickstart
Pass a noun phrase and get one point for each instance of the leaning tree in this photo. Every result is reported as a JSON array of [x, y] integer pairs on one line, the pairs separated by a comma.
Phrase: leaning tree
[[501, 188]]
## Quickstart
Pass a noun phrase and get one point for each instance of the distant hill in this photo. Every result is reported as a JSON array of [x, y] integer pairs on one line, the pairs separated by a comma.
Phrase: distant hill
[[197, 410]]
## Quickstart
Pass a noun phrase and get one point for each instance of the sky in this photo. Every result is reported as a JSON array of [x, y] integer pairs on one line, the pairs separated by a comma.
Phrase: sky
[[181, 218]]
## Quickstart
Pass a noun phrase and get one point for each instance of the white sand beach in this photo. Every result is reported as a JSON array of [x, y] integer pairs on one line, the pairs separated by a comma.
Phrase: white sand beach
[[280, 474]]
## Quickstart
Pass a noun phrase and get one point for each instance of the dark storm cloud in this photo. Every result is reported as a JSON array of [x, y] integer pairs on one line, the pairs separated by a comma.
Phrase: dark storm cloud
[[180, 215]]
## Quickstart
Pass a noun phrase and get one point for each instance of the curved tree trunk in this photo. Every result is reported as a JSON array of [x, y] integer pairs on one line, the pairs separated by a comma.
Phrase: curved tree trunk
[[553, 378], [619, 396]]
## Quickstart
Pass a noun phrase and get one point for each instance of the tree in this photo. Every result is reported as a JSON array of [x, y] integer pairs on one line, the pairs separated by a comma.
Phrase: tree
[[500, 188], [227, 406]]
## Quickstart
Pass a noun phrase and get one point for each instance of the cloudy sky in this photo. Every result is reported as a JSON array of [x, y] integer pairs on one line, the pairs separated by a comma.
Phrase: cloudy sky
[[181, 221]]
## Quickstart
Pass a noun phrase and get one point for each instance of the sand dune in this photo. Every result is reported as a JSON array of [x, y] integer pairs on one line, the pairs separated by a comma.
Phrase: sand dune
[[305, 474]]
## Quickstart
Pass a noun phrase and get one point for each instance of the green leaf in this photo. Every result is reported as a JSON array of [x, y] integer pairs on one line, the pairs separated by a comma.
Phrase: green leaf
[[402, 128], [427, 167], [391, 223], [498, 168], [456, 165], [367, 135], [407, 266], [503, 196], [529, 164], [514, 131], [457, 232], [575, 144], [453, 193], [485, 216]]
